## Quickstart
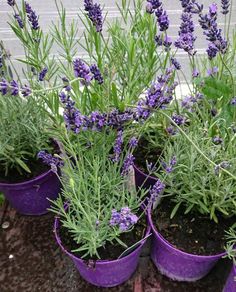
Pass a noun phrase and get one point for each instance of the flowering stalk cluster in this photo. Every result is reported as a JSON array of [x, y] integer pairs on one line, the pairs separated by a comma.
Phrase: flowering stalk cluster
[[168, 167], [191, 6], [156, 191], [32, 17], [217, 44], [43, 73], [186, 38], [225, 4], [50, 160], [125, 219], [83, 71], [19, 20], [11, 2], [13, 88], [158, 96], [189, 101], [94, 13]]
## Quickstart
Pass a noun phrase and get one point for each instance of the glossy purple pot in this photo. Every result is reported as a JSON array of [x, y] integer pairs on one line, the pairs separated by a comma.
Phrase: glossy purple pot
[[230, 285], [142, 179], [105, 273], [31, 197], [176, 264]]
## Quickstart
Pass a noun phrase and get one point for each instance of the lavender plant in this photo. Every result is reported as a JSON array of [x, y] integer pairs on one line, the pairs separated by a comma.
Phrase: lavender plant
[[102, 204], [231, 243], [198, 184]]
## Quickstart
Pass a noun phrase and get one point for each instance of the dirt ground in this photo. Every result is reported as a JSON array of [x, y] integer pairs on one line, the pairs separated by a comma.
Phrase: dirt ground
[[31, 261]]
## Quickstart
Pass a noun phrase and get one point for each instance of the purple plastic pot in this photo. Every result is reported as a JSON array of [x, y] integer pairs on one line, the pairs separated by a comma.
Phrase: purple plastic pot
[[230, 285], [142, 179], [176, 264], [105, 273], [31, 197]]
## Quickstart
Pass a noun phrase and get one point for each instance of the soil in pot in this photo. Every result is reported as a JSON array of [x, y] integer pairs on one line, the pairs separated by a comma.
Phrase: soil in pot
[[191, 233], [110, 251], [36, 166]]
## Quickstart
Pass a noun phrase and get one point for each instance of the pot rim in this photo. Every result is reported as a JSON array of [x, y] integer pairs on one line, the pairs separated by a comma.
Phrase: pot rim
[[167, 243], [27, 182], [143, 173], [100, 262]]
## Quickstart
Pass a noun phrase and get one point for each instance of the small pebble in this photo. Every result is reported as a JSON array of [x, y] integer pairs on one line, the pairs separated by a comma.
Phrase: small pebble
[[11, 256], [5, 225]]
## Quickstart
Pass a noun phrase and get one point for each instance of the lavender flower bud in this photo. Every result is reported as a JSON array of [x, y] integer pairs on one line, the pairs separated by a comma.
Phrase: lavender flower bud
[[96, 73], [14, 88], [43, 73], [233, 101], [217, 140], [81, 70], [3, 86], [94, 13], [32, 17], [25, 90], [125, 218], [48, 159], [195, 73], [156, 191], [11, 2], [178, 119], [175, 63], [118, 146], [128, 162], [225, 4], [133, 142], [19, 20]]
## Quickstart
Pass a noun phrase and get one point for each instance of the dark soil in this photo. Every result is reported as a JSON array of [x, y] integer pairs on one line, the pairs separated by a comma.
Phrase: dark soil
[[191, 233], [109, 251], [36, 167], [144, 154]]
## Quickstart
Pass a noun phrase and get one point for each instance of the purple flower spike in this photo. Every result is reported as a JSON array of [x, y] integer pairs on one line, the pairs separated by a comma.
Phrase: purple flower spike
[[32, 17], [186, 38], [175, 63], [118, 146], [212, 71], [133, 142], [213, 9], [3, 86], [81, 70], [19, 20], [25, 90], [195, 73], [96, 74], [94, 13], [217, 140], [125, 218], [233, 101], [43, 73], [213, 34], [152, 5], [156, 191], [14, 88], [178, 119], [11, 2], [169, 167], [74, 120], [128, 162], [49, 160], [225, 4]]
